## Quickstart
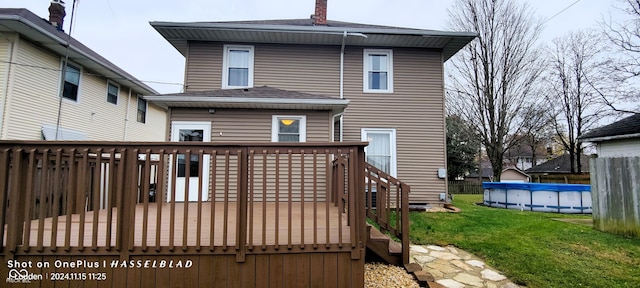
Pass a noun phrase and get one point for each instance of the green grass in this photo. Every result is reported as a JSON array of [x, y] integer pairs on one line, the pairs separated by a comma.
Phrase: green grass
[[531, 248]]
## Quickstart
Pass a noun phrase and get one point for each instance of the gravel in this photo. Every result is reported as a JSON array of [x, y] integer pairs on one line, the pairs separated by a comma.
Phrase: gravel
[[387, 276]]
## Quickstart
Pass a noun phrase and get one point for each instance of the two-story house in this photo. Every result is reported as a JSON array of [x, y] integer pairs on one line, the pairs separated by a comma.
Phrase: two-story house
[[314, 80], [88, 98]]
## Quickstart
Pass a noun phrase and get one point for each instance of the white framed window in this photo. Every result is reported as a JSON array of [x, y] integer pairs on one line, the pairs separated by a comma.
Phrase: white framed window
[[381, 151], [113, 90], [288, 128], [142, 110], [237, 68], [378, 71], [71, 88]]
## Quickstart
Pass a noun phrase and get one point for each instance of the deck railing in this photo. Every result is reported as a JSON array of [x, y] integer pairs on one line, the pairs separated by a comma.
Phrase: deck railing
[[129, 198], [387, 204]]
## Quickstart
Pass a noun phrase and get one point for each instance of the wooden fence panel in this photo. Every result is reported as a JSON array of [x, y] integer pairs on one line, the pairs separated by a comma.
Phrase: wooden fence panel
[[615, 190]]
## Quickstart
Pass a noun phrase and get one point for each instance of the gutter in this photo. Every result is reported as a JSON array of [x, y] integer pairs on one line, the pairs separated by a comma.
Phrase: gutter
[[607, 138], [237, 100], [6, 87]]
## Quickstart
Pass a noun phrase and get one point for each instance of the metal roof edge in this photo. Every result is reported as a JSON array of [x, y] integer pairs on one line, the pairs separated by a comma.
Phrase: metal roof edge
[[240, 100], [309, 29], [607, 138]]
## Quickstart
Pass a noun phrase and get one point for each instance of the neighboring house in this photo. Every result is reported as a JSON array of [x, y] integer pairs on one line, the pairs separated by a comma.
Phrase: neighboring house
[[100, 101], [509, 174], [560, 165], [316, 80], [521, 156], [615, 176], [618, 139], [513, 174]]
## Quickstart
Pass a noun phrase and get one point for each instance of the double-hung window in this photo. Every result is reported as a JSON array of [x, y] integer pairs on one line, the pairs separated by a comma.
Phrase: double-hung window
[[71, 82], [289, 128], [378, 71], [142, 110], [112, 93], [237, 66]]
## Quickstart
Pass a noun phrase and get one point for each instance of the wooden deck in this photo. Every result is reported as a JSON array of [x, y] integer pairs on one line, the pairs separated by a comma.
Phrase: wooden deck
[[308, 224], [284, 214]]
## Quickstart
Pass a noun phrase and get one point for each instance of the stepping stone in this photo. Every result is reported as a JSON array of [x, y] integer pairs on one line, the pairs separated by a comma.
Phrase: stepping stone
[[461, 265], [423, 259], [424, 277], [445, 268], [469, 280], [436, 248], [444, 255], [492, 275], [450, 283], [435, 285], [476, 263], [412, 267], [419, 249]]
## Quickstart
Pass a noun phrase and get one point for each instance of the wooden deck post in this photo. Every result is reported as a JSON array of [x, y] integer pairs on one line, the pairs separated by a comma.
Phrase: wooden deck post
[[17, 196], [4, 192], [243, 190], [406, 189]]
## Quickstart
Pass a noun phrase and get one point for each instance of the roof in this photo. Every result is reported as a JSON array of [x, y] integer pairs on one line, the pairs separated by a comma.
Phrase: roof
[[626, 128], [263, 97], [302, 31], [40, 31], [559, 165]]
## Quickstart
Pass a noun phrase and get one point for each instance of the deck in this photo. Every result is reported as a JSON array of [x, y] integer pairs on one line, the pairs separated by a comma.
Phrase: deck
[[200, 219], [257, 214]]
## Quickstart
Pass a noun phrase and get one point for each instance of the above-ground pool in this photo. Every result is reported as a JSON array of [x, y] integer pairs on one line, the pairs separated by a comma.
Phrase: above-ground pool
[[543, 197]]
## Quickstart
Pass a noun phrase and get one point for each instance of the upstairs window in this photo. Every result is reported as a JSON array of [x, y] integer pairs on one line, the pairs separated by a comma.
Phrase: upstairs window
[[71, 82], [289, 129], [237, 67], [378, 71], [142, 110], [112, 93]]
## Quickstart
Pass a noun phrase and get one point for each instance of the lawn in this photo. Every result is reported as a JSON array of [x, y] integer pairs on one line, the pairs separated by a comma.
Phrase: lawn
[[531, 248]]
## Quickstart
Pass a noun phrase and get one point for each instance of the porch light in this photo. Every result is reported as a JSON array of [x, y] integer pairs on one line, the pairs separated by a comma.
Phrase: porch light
[[287, 122]]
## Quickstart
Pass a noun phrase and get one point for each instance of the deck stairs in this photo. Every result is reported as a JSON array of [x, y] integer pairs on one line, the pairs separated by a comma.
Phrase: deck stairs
[[383, 246]]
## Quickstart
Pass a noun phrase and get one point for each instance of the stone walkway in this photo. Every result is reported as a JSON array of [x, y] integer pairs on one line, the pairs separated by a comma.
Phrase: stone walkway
[[453, 268]]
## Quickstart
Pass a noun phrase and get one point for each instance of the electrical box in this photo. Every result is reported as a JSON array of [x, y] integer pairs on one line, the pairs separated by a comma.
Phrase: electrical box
[[442, 173]]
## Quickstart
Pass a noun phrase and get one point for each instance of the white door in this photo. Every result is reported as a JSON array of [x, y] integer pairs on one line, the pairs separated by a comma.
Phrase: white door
[[190, 132], [381, 151]]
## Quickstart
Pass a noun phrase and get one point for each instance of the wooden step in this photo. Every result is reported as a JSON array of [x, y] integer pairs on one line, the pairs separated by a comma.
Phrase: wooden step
[[383, 246]]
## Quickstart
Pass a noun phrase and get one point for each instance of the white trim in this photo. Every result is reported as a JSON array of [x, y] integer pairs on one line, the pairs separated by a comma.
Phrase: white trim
[[392, 142], [63, 80], [365, 70], [275, 126], [206, 137], [146, 108], [225, 65], [109, 82]]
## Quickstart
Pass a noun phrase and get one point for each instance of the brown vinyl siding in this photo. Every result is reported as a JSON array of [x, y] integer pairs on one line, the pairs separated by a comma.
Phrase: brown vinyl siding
[[233, 125], [415, 109], [299, 69]]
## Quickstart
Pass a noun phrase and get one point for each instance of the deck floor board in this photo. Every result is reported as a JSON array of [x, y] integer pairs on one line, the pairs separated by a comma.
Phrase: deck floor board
[[299, 222]]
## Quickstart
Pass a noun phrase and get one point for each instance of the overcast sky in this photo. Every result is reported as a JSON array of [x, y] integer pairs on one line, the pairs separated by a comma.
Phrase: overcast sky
[[119, 29]]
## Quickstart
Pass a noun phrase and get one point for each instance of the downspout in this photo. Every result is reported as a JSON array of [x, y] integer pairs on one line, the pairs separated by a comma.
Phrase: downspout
[[6, 90], [126, 118], [344, 39]]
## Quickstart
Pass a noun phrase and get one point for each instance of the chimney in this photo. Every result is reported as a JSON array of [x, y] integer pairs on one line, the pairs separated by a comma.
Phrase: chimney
[[320, 17], [56, 14]]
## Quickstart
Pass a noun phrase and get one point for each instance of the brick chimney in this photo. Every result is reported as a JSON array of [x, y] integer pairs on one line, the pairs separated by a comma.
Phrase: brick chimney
[[320, 17], [56, 14]]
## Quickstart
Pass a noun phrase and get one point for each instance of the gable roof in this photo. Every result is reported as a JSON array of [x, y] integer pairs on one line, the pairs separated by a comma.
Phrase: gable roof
[[626, 128], [302, 31], [559, 165], [263, 97], [40, 31]]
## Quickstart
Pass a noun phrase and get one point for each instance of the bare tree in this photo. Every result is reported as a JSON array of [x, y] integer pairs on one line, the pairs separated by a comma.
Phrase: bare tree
[[492, 78], [574, 59], [624, 67], [537, 128]]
